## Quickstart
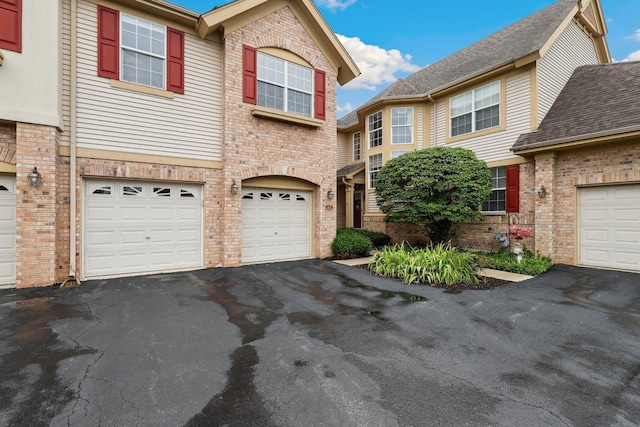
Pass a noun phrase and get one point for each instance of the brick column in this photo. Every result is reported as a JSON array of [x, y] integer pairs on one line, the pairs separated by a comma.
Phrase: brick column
[[545, 175], [36, 230]]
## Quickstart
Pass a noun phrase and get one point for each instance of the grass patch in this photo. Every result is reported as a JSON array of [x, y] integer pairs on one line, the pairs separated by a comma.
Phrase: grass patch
[[531, 265]]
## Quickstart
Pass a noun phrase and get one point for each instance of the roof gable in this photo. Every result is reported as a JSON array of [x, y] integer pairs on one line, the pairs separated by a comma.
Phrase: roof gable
[[598, 100], [516, 45], [239, 13]]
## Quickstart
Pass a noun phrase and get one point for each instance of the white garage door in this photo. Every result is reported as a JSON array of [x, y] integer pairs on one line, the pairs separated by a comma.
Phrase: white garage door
[[7, 230], [276, 225], [609, 227], [141, 227]]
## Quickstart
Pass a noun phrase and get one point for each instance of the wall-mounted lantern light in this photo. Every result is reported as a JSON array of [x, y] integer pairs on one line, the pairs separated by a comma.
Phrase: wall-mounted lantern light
[[542, 192], [35, 178], [234, 187], [330, 194]]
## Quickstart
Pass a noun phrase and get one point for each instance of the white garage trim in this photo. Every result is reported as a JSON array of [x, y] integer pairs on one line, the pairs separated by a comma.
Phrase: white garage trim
[[276, 225], [135, 227], [7, 230], [609, 227]]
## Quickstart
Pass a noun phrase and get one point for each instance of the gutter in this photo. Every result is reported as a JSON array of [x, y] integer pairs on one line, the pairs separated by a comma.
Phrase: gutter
[[72, 280]]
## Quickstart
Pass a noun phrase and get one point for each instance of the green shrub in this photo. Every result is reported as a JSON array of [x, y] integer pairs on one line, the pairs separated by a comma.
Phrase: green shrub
[[350, 244], [439, 265], [531, 264], [377, 239]]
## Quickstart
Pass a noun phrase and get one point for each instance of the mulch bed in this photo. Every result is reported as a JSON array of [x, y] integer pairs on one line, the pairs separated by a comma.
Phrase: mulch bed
[[486, 284]]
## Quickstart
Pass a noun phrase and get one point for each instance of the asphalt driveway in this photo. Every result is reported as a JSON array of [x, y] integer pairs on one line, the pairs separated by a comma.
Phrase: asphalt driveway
[[314, 343]]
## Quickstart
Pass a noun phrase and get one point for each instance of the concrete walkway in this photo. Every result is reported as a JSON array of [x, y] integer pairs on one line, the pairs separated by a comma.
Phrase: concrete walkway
[[487, 272]]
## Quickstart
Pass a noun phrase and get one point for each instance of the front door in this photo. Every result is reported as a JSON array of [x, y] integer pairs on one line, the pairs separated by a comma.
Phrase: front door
[[357, 210]]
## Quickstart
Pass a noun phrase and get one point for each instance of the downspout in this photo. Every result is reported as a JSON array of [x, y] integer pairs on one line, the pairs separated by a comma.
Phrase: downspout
[[346, 183], [72, 280]]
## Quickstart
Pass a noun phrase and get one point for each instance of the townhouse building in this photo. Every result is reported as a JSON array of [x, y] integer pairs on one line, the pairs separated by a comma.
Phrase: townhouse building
[[137, 136], [485, 97]]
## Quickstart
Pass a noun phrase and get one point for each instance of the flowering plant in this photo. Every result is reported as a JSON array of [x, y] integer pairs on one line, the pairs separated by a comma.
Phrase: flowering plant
[[520, 233]]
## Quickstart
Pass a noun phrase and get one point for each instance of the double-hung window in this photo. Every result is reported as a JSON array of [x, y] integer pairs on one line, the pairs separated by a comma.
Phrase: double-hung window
[[356, 146], [402, 125], [143, 51], [497, 201], [139, 51], [375, 129], [284, 85], [475, 110], [375, 163]]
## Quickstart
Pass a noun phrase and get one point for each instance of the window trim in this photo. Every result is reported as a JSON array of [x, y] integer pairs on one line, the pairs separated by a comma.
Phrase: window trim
[[353, 147], [370, 171], [397, 153], [410, 125], [379, 129], [474, 134]]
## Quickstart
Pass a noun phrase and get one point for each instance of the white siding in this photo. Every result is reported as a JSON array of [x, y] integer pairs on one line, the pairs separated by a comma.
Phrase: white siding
[[572, 49], [345, 149], [372, 204], [65, 137], [496, 146], [420, 129], [187, 126], [30, 81]]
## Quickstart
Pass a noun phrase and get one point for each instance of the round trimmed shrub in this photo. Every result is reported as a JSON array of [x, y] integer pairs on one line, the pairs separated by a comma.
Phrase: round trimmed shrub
[[351, 244]]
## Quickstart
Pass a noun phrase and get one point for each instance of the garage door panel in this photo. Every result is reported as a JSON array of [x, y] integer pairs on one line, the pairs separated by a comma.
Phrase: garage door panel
[[609, 227], [627, 215], [132, 214], [141, 227], [627, 236]]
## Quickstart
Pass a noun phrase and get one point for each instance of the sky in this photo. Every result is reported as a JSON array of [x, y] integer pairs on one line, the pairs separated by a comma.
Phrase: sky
[[391, 42]]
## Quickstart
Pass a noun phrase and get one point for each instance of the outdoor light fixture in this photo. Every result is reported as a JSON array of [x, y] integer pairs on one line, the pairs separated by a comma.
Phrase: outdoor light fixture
[[542, 192], [330, 194], [234, 187], [35, 178]]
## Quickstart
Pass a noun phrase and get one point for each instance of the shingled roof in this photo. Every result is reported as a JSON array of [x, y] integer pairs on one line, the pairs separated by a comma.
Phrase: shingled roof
[[514, 42], [598, 100]]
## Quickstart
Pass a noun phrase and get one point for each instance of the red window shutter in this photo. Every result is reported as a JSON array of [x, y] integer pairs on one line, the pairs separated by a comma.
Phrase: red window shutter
[[175, 60], [513, 188], [11, 25], [320, 95], [108, 43], [249, 74]]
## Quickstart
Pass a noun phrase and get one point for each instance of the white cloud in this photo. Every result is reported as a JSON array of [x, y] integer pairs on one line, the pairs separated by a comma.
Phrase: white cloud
[[633, 56], [636, 35], [336, 4], [378, 65], [344, 109]]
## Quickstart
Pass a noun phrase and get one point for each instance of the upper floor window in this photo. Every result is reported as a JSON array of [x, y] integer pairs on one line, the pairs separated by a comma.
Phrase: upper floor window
[[143, 51], [356, 146], [475, 110], [139, 51], [284, 86], [402, 125], [276, 83], [375, 129], [11, 25], [375, 163]]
